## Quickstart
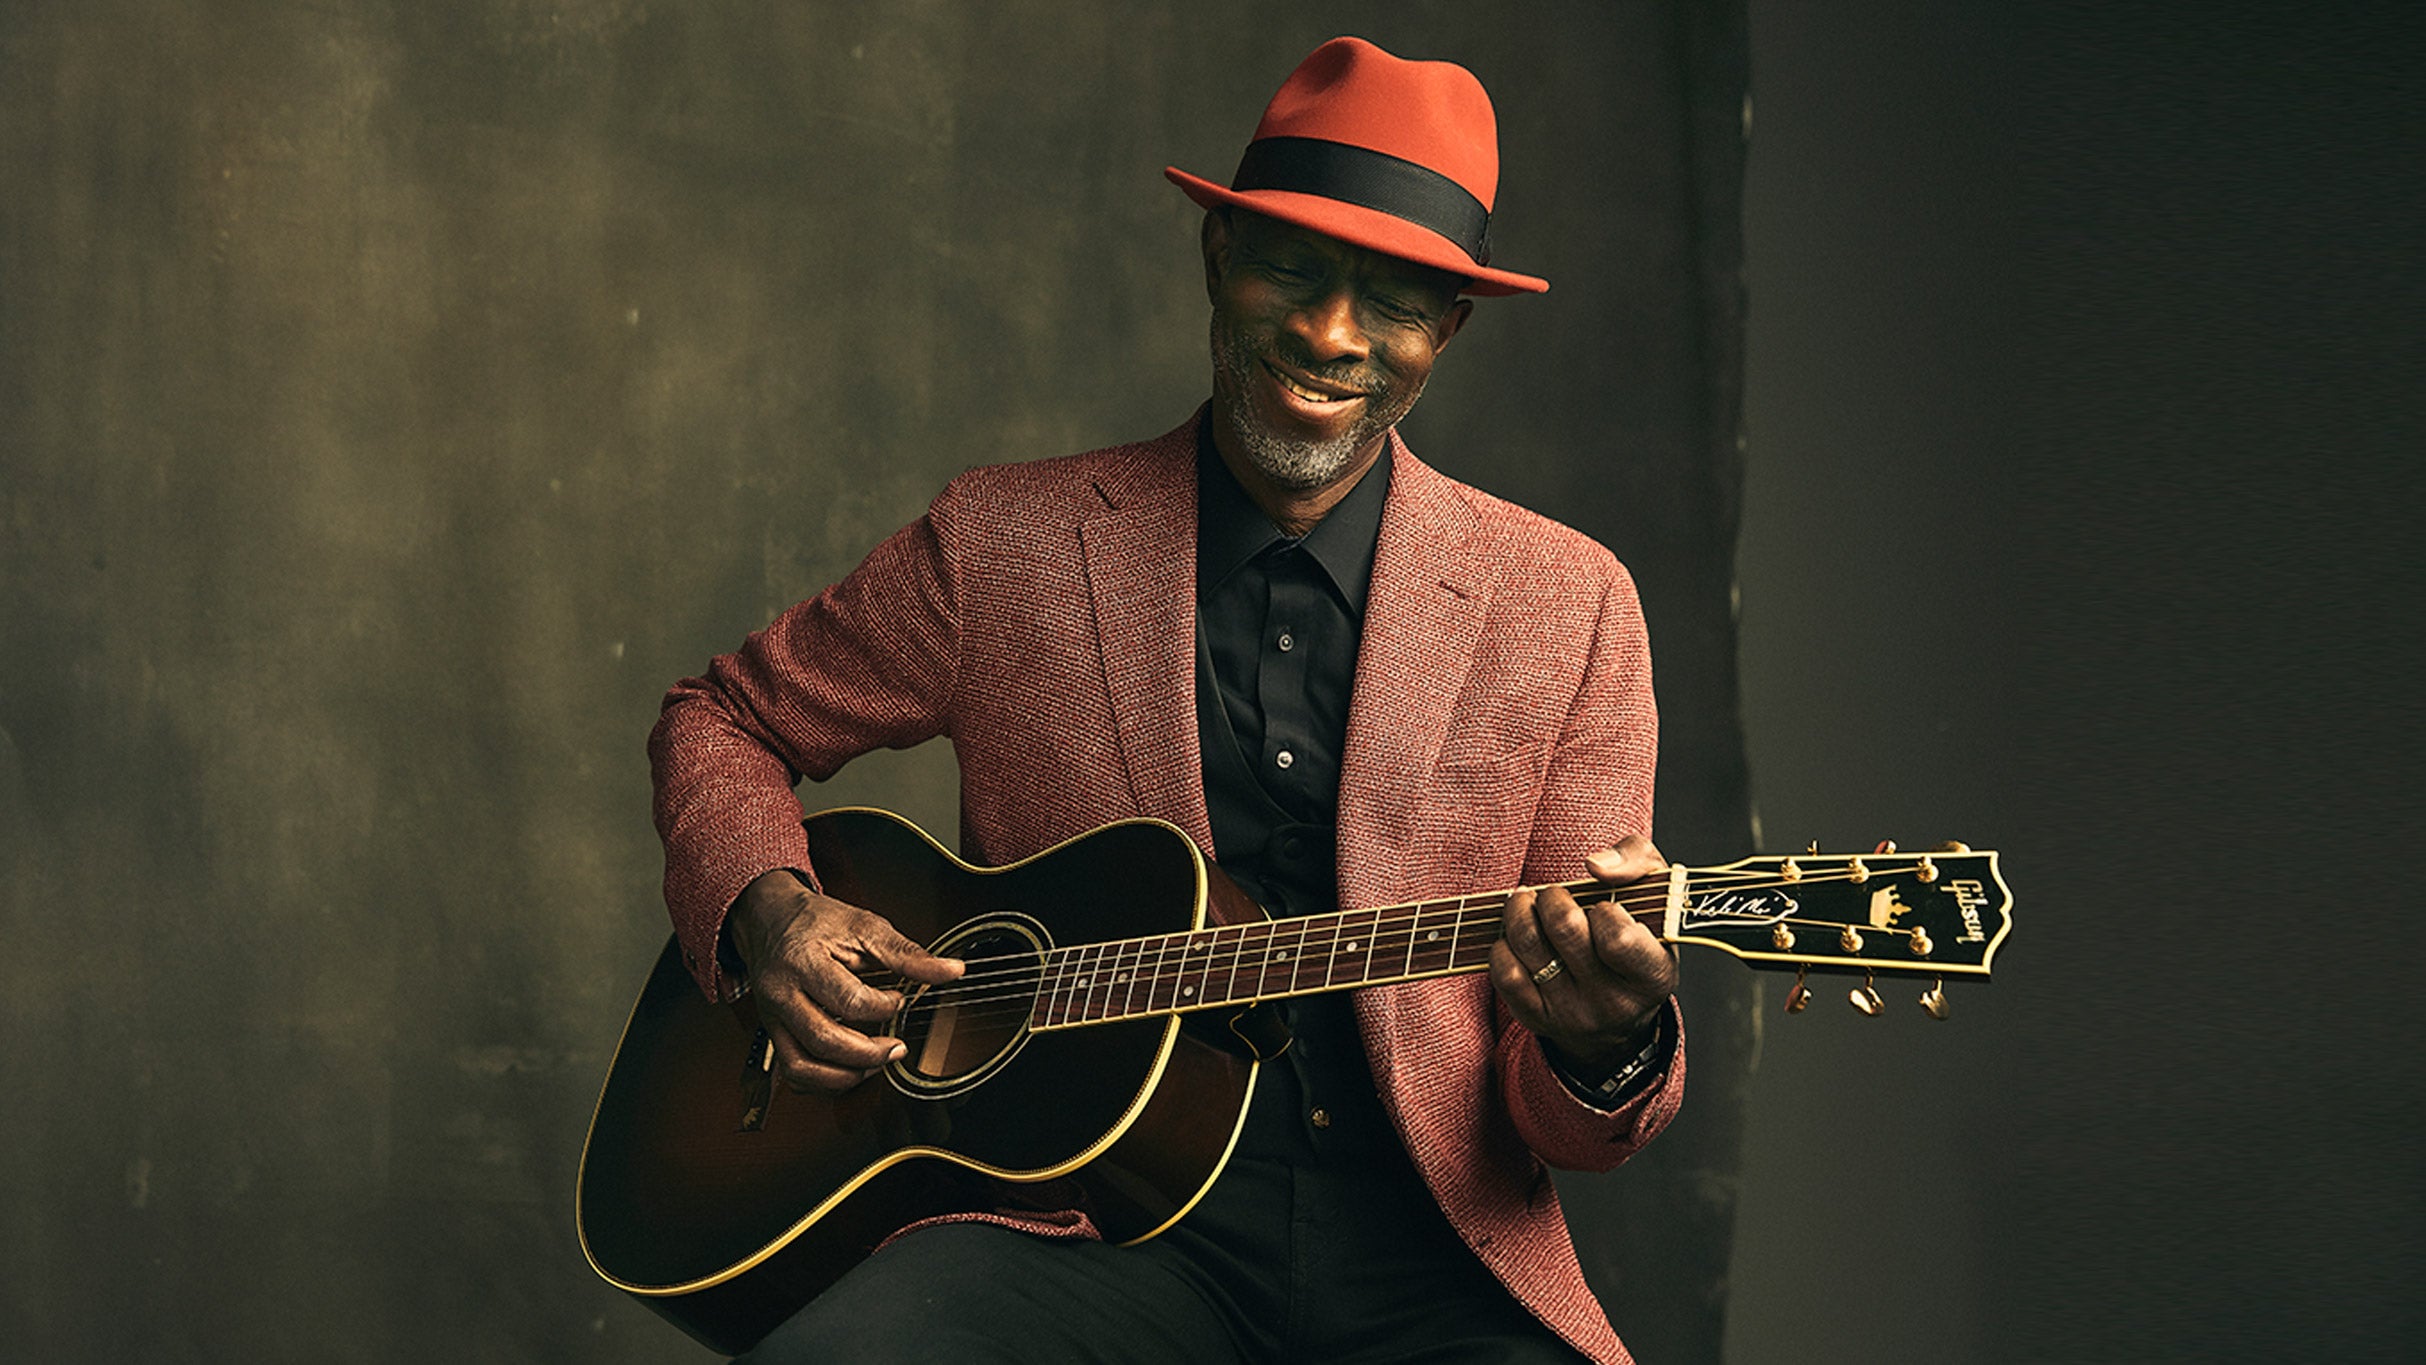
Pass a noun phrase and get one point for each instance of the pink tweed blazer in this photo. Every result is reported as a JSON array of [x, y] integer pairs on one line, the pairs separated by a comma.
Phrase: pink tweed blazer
[[1041, 616]]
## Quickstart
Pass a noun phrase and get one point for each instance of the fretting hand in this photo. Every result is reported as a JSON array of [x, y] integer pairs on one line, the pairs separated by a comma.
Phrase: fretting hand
[[1587, 981]]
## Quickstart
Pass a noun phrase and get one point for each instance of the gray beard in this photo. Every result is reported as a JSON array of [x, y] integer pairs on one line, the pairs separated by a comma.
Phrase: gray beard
[[1298, 465]]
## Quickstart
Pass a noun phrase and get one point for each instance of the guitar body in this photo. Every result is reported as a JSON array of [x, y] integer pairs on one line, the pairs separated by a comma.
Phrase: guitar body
[[726, 1229]]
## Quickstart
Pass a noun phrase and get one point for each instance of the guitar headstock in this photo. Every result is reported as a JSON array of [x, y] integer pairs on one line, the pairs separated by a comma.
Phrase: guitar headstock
[[1938, 914]]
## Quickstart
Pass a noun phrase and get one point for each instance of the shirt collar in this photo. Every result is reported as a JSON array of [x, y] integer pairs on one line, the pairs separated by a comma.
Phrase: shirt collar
[[1231, 529]]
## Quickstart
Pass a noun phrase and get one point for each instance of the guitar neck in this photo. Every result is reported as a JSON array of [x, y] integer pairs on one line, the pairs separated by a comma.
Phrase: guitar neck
[[1941, 913], [1240, 964]]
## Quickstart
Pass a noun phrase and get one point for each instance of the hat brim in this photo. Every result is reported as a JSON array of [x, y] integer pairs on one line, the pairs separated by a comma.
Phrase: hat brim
[[1360, 226]]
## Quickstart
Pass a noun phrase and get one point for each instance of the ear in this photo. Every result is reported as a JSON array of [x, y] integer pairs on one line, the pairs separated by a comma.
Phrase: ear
[[1447, 328], [1215, 238]]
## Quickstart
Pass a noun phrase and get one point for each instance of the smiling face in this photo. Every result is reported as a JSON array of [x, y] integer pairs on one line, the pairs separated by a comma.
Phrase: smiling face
[[1319, 347]]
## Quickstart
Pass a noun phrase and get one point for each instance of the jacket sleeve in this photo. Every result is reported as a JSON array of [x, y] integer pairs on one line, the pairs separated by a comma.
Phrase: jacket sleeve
[[1597, 790], [869, 663]]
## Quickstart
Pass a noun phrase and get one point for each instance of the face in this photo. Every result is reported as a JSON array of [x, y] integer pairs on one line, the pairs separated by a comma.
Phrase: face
[[1319, 347]]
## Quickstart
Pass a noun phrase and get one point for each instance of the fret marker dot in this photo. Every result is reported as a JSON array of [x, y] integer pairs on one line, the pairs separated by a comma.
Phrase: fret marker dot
[[1431, 936], [1082, 981], [1187, 990], [1351, 947]]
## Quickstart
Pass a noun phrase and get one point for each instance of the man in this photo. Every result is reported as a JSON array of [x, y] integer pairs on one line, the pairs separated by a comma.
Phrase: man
[[1355, 681]]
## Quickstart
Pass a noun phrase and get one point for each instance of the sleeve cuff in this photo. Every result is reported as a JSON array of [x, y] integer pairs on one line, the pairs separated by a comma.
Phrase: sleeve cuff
[[1611, 1092]]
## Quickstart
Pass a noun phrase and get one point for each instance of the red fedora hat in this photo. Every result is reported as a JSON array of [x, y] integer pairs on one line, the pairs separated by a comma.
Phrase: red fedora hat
[[1401, 157]]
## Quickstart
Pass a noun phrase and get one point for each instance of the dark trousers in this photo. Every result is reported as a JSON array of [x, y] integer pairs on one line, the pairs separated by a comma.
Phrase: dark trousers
[[1280, 1262]]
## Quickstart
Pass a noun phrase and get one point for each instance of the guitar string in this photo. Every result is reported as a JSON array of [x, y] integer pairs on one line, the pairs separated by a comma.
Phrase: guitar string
[[1250, 943], [1490, 900], [1391, 936], [1394, 917]]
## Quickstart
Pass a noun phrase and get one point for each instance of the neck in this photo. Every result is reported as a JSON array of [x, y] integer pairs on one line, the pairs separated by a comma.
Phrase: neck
[[1295, 511]]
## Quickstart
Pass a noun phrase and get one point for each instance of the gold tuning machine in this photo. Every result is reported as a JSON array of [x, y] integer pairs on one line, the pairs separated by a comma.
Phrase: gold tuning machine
[[1781, 937], [1798, 999], [1849, 939], [1952, 846], [1934, 999], [1857, 871], [1866, 998], [1921, 946], [1812, 848], [1927, 870], [1885, 846]]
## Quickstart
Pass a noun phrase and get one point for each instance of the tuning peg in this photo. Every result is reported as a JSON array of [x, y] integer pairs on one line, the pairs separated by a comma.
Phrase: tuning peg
[[1885, 846], [1856, 870], [1952, 846], [1849, 939], [1781, 937], [1927, 871], [1934, 1000], [1799, 998], [1921, 946], [1812, 848], [1789, 871], [1866, 998]]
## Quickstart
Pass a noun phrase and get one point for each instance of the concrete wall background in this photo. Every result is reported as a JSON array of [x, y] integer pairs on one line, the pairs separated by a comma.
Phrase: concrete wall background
[[393, 399]]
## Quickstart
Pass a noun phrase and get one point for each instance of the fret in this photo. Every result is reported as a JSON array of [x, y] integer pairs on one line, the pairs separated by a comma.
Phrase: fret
[[1094, 980], [1162, 988], [1056, 1011], [1298, 982], [1363, 934], [1125, 961], [1065, 985], [1475, 936], [1212, 974], [1457, 927]]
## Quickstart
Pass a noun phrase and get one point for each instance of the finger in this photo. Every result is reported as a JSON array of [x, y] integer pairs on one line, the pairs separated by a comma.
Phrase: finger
[[1520, 930], [821, 1038], [1630, 952], [801, 1072], [840, 993], [1514, 982], [1565, 929], [1630, 860], [887, 946]]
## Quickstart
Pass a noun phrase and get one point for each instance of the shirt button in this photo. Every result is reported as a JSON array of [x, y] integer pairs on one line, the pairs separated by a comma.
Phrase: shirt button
[[1283, 759], [1322, 1118], [1287, 642]]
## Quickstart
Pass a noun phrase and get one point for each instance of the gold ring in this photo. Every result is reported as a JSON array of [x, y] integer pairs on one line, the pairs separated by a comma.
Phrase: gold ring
[[1549, 969]]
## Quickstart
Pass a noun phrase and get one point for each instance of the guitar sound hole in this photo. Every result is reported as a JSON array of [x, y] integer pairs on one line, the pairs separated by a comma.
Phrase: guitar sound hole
[[960, 1033]]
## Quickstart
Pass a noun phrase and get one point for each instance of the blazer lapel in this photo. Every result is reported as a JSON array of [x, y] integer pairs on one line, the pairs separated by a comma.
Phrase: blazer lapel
[[1423, 615], [1141, 575]]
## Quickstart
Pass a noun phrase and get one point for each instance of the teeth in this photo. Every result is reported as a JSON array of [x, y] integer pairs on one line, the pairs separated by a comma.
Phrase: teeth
[[1309, 394]]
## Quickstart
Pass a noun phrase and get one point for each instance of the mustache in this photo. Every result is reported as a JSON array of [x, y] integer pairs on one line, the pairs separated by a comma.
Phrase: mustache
[[1344, 373]]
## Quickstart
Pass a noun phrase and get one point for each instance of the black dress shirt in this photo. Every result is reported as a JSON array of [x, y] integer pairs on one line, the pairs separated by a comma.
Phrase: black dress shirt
[[1278, 622]]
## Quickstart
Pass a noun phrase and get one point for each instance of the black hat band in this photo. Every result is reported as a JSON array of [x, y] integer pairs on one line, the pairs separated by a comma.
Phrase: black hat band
[[1369, 179]]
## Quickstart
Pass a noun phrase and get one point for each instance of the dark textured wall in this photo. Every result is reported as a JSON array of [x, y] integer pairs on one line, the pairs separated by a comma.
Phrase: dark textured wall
[[394, 398], [2087, 388]]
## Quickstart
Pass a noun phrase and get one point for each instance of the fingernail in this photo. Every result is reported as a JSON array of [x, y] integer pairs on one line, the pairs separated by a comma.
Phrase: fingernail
[[900, 1050]]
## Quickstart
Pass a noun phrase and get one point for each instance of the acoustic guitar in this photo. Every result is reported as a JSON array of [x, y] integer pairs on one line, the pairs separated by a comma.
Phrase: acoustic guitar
[[1099, 1051]]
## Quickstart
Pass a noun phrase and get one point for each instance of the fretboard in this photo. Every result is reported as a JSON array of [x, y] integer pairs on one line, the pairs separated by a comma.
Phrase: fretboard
[[1238, 964]]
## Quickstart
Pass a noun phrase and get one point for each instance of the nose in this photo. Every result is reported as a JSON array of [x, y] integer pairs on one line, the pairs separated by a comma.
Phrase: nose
[[1329, 328]]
